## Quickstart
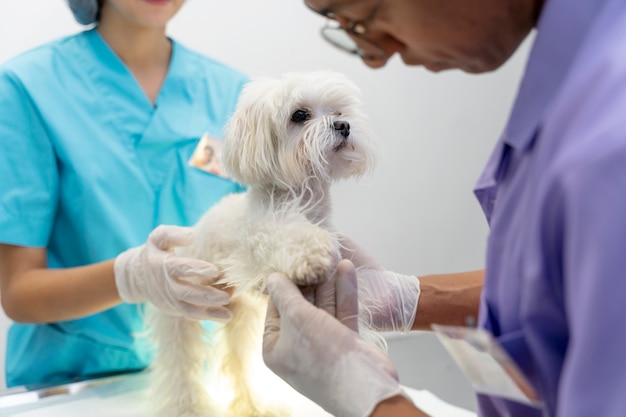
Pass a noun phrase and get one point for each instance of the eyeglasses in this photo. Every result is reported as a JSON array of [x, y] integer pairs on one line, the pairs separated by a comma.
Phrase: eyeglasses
[[342, 37]]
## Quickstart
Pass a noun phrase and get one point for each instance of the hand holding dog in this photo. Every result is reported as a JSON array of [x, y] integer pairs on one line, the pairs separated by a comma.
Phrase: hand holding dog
[[317, 350], [391, 298], [179, 286]]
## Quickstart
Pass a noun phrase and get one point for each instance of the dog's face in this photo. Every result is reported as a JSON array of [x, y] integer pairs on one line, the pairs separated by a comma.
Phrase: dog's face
[[303, 125]]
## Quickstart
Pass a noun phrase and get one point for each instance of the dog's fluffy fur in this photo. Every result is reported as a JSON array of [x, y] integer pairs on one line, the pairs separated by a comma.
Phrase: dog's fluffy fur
[[288, 141]]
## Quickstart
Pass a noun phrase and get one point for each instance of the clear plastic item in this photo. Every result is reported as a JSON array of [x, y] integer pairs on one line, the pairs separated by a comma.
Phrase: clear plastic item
[[486, 364]]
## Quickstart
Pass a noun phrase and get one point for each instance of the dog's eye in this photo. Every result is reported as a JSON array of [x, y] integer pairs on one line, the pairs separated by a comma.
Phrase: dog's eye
[[299, 116]]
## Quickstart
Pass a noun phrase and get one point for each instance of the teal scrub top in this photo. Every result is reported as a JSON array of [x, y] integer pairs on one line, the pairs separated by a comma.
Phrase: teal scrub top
[[88, 167]]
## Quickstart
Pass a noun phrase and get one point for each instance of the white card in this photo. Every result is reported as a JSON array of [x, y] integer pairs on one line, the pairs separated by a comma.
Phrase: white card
[[486, 364], [208, 156]]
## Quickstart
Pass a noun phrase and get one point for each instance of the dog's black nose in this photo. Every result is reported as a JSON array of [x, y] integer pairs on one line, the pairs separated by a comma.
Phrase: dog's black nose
[[342, 127]]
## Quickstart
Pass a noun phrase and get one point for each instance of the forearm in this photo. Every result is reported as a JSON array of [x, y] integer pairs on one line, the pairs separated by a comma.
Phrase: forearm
[[448, 299], [42, 295], [397, 407]]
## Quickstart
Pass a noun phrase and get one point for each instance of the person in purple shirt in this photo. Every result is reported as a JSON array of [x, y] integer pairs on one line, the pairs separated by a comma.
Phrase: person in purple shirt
[[553, 293]]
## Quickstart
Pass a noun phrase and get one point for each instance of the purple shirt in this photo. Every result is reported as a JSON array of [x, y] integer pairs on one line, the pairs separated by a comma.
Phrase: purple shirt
[[554, 192]]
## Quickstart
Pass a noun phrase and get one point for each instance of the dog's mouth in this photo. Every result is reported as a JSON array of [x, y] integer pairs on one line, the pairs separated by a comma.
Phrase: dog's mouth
[[342, 144]]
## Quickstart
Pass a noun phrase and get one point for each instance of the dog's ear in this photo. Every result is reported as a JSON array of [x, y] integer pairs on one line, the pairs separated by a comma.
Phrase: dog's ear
[[251, 137]]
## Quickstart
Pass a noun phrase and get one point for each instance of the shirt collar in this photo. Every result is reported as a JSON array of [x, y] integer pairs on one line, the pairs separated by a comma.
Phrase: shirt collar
[[116, 67], [561, 30]]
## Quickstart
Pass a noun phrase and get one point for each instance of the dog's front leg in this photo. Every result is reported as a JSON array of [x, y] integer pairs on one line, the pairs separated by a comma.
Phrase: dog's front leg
[[239, 362], [178, 387], [301, 250]]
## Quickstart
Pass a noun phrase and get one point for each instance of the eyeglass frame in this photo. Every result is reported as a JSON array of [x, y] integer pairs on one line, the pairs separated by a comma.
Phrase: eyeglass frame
[[353, 28]]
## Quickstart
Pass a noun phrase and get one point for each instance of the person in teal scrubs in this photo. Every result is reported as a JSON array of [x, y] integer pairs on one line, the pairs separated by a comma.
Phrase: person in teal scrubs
[[95, 137]]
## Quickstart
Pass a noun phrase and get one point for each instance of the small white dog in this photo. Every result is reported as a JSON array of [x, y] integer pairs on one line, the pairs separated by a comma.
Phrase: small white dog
[[288, 141]]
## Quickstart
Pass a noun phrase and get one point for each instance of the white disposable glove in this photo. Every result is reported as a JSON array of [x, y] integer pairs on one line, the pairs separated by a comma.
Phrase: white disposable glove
[[179, 286], [388, 300], [316, 348]]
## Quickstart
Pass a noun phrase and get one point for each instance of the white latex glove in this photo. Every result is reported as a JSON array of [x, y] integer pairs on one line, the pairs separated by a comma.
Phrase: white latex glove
[[316, 348], [389, 300], [153, 273]]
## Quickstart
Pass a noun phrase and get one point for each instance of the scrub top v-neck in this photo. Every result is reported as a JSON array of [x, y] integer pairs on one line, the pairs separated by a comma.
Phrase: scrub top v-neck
[[89, 167]]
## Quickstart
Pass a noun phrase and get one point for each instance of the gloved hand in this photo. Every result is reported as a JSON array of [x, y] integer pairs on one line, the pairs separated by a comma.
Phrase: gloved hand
[[316, 348], [152, 272], [389, 300]]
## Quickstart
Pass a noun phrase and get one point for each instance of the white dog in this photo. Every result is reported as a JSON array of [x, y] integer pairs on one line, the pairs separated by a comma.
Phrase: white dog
[[288, 140]]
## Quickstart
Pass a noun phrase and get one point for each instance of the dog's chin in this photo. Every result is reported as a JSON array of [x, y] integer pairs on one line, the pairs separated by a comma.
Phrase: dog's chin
[[347, 160]]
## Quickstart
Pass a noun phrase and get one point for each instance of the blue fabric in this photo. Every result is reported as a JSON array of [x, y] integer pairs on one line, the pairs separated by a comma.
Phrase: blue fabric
[[554, 192], [89, 167]]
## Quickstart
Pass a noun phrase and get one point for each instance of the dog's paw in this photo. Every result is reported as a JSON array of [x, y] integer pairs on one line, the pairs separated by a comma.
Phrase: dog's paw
[[310, 267], [302, 251]]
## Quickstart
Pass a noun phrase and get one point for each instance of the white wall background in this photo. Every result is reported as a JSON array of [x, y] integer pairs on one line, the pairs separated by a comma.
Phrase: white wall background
[[417, 213]]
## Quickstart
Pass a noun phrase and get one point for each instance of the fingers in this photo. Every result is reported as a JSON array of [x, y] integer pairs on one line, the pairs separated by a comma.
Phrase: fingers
[[199, 295], [282, 292], [325, 296], [272, 328], [190, 281], [358, 255], [166, 237], [272, 318], [219, 314], [337, 296], [347, 295], [195, 270]]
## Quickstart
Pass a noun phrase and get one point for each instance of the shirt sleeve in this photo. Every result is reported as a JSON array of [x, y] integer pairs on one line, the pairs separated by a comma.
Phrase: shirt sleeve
[[28, 168], [593, 200]]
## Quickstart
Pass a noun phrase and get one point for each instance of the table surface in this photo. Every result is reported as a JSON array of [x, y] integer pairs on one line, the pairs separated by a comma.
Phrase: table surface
[[127, 395]]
